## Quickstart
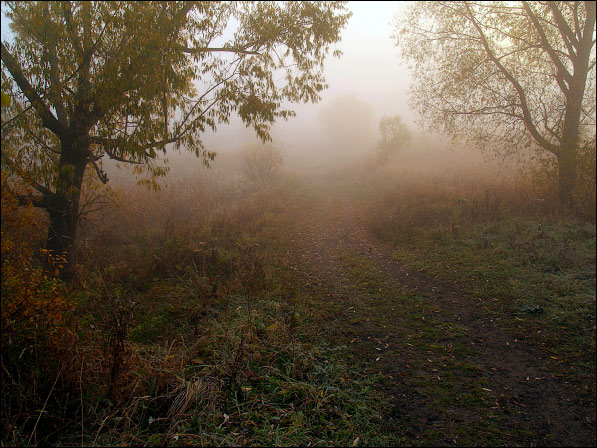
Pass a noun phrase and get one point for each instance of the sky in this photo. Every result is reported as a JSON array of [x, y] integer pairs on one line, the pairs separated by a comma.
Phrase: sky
[[370, 66], [369, 71]]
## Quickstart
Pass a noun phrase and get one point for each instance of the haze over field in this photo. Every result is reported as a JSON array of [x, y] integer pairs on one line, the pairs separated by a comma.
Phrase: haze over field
[[367, 82], [408, 261], [369, 71]]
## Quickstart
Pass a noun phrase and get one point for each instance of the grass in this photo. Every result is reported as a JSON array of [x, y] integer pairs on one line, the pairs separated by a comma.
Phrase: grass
[[188, 324], [538, 276], [529, 268], [502, 243], [190, 332], [432, 373], [248, 380]]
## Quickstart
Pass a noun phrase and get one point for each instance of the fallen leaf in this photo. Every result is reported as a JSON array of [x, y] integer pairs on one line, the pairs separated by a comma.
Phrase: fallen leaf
[[519, 404]]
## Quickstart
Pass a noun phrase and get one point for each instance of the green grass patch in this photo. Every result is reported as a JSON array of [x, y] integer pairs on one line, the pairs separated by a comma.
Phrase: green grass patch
[[437, 373], [537, 276]]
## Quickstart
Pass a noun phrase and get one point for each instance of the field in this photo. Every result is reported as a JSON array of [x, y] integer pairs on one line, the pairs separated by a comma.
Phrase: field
[[298, 224], [397, 309]]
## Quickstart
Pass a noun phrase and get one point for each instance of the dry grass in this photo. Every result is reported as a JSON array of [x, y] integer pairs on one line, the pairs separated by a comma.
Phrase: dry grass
[[183, 324], [502, 239], [187, 329]]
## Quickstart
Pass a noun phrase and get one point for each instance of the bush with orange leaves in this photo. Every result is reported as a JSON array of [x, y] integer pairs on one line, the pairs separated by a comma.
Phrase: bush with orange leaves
[[33, 317], [33, 302]]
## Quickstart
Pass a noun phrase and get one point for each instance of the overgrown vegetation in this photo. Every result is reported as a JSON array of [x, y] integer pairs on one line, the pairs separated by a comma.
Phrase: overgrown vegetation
[[390, 293], [183, 325], [186, 321], [506, 246]]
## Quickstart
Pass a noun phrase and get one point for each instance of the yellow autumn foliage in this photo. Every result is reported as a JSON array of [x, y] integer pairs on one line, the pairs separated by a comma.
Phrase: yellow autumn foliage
[[31, 301]]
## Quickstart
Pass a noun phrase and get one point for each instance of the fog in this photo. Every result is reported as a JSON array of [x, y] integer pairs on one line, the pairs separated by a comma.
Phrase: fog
[[365, 83], [346, 282], [340, 132]]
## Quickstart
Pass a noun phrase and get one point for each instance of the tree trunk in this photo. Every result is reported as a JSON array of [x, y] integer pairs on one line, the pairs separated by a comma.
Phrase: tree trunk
[[568, 158], [62, 232], [64, 213], [567, 173]]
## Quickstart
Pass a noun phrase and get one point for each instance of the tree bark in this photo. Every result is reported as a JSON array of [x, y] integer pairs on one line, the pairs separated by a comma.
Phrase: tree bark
[[571, 139], [62, 232], [64, 211], [567, 173]]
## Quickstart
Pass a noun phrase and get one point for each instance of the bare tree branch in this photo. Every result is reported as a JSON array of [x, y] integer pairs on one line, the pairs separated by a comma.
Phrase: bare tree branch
[[222, 49], [563, 74], [101, 174], [47, 117], [565, 31], [11, 164], [521, 94], [121, 142]]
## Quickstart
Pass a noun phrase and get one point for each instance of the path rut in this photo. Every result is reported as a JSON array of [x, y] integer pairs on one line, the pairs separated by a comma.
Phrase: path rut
[[540, 408]]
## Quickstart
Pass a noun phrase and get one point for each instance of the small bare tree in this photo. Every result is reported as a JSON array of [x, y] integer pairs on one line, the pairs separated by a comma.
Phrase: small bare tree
[[262, 163], [394, 134]]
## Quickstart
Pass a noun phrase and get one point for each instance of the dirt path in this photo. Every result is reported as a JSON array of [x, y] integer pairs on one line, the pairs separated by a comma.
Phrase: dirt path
[[452, 375]]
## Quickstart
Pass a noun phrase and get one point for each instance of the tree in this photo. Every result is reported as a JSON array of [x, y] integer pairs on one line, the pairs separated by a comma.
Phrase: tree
[[349, 123], [124, 80], [393, 135], [513, 72], [262, 163]]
